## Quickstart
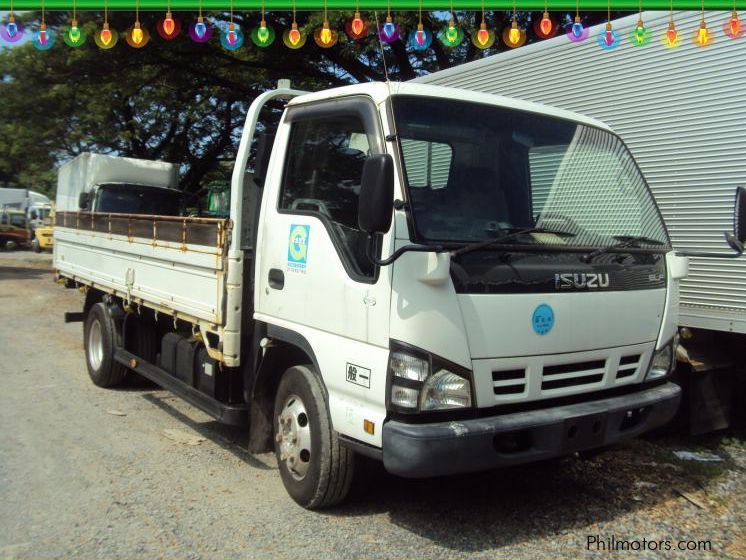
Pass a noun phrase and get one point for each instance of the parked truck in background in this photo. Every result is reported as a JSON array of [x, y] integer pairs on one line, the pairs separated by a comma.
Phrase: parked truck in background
[[35, 206], [686, 131], [43, 237], [14, 229], [443, 319]]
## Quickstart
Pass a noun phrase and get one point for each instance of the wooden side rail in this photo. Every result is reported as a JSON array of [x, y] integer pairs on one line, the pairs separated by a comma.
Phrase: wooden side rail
[[210, 232]]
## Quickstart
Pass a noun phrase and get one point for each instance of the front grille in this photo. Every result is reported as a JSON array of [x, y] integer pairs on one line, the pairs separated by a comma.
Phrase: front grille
[[628, 366], [571, 375], [509, 382], [549, 376]]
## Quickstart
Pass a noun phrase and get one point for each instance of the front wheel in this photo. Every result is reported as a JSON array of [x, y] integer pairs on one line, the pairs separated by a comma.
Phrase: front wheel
[[315, 469]]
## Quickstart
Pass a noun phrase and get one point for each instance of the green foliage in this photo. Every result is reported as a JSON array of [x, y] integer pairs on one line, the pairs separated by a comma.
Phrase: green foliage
[[177, 101]]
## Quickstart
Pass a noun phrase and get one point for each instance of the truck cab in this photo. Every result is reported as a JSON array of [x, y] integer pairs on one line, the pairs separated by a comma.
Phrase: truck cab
[[531, 307], [442, 280]]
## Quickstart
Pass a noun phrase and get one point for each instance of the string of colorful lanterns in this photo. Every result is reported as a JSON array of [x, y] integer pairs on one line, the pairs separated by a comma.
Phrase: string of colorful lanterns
[[356, 28]]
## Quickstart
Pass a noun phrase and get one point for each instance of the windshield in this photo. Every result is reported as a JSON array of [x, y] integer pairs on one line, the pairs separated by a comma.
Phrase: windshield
[[475, 172], [18, 220], [138, 199]]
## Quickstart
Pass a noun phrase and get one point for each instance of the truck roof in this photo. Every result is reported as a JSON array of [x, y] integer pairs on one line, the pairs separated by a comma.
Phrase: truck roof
[[380, 91]]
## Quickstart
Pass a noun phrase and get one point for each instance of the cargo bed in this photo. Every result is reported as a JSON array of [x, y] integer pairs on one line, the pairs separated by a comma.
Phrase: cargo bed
[[175, 265]]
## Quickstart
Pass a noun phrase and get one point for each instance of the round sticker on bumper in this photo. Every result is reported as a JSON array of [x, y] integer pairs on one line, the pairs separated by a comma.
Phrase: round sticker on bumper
[[543, 319]]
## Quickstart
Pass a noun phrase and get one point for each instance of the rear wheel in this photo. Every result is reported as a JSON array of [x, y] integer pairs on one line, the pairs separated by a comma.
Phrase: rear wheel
[[315, 469], [100, 337]]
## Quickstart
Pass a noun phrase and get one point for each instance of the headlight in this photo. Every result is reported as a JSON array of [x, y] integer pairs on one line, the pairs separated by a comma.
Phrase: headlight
[[408, 366], [414, 387], [445, 390], [660, 365]]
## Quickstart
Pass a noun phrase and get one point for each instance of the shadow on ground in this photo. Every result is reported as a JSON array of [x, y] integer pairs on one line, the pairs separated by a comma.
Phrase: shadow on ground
[[482, 511], [21, 273], [230, 438]]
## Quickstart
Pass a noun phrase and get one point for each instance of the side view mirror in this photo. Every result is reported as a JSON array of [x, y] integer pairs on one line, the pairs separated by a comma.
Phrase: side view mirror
[[737, 239], [375, 214], [376, 205], [84, 200]]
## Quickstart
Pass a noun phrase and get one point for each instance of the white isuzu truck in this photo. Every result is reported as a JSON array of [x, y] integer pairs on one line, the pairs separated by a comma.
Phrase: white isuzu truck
[[392, 281]]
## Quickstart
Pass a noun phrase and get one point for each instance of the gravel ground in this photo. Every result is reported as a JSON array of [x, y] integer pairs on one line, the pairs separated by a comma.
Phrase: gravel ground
[[87, 472]]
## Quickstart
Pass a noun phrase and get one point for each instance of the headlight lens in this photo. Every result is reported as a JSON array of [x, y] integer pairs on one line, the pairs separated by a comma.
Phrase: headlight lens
[[414, 387], [406, 397], [445, 390], [409, 367], [660, 365]]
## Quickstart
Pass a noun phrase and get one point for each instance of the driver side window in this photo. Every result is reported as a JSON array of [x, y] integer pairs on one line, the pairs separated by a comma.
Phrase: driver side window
[[322, 177]]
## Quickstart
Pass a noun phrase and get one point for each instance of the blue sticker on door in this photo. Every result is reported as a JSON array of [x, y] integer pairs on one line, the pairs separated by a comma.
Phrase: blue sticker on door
[[543, 319], [298, 247]]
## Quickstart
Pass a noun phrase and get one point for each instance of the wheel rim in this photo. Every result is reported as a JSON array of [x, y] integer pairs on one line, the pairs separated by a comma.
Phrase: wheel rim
[[294, 437], [95, 345]]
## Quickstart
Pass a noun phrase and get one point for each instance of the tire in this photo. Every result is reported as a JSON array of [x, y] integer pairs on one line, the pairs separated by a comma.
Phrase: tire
[[35, 245], [316, 470], [99, 338]]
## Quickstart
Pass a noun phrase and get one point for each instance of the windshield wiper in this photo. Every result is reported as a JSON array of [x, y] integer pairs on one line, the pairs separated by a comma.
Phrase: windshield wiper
[[506, 237], [623, 241]]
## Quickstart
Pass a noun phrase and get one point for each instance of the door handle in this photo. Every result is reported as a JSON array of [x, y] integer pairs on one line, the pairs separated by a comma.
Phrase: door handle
[[276, 278]]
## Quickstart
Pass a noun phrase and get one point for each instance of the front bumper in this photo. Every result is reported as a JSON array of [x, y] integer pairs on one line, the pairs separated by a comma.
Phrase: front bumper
[[423, 450]]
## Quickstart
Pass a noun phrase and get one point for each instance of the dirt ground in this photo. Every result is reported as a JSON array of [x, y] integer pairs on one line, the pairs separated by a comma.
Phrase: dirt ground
[[136, 473]]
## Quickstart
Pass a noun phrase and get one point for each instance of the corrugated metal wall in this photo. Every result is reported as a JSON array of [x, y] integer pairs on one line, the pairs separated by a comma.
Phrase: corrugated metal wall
[[682, 112], [427, 163]]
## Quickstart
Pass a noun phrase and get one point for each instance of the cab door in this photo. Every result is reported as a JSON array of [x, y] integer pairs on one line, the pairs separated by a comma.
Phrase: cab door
[[313, 270]]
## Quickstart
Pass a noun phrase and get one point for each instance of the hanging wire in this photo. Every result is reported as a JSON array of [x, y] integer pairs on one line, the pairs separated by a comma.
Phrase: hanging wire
[[482, 11], [577, 8], [294, 10], [380, 46], [420, 11], [514, 16], [388, 9]]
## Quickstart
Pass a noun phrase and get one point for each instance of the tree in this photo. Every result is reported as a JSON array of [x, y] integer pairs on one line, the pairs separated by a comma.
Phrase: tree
[[182, 102]]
